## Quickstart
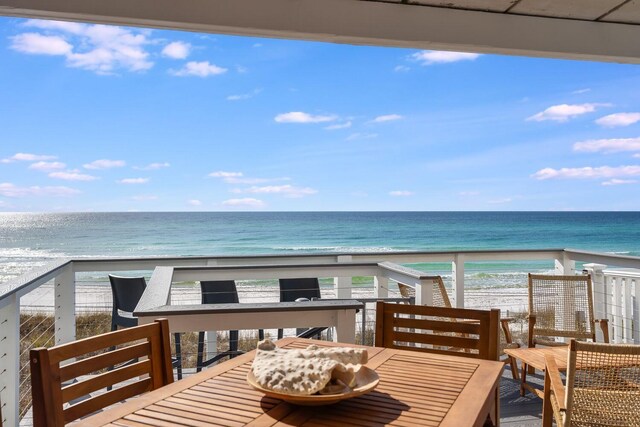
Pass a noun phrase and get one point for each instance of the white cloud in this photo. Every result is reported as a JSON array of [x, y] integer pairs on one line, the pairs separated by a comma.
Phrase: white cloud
[[38, 44], [104, 164], [8, 189], [72, 176], [133, 181], [199, 69], [225, 175], [429, 57], [587, 172], [344, 125], [256, 45], [401, 193], [387, 118], [401, 68], [614, 145], [194, 202], [144, 197], [177, 50], [245, 202], [637, 156], [616, 181], [286, 190], [469, 193], [47, 166], [153, 166], [581, 91], [564, 112], [27, 157], [358, 135], [244, 96], [103, 49], [618, 119], [301, 117]]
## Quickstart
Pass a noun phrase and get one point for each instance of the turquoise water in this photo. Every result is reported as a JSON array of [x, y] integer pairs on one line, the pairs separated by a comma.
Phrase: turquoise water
[[28, 240]]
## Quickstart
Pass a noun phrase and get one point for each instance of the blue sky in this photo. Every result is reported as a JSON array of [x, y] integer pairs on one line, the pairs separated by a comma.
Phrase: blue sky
[[97, 118]]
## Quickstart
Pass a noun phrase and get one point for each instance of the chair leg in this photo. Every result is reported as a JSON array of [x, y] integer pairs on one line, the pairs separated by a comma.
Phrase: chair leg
[[200, 357], [514, 368], [233, 343], [261, 334], [280, 333], [178, 355], [523, 390]]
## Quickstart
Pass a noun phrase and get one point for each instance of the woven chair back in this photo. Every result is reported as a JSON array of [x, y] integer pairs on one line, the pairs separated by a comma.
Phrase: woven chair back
[[65, 392], [562, 306], [440, 296], [603, 385]]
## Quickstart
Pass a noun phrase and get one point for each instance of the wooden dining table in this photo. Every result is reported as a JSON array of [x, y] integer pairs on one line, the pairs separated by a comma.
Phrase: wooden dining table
[[415, 389]]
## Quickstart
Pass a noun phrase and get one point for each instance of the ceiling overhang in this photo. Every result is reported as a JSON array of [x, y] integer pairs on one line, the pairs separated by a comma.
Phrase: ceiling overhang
[[362, 22]]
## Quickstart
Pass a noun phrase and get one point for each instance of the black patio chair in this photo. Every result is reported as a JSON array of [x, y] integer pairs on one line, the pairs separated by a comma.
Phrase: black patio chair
[[126, 292], [218, 292], [294, 289]]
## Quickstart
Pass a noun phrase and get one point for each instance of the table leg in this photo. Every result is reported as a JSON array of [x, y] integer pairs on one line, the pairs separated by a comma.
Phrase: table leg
[[523, 390], [547, 411]]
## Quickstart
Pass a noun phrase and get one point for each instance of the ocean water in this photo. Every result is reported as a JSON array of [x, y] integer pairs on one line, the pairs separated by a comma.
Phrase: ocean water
[[30, 240]]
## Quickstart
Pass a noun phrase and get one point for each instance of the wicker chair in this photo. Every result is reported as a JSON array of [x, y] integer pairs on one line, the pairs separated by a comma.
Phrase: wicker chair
[[602, 386], [441, 299], [560, 306]]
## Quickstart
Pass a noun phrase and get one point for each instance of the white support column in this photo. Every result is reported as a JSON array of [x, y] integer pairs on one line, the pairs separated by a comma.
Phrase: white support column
[[10, 361], [565, 266], [617, 310], [457, 274], [343, 285], [380, 287], [345, 327], [211, 339], [600, 296], [627, 309], [424, 292], [65, 306], [636, 311]]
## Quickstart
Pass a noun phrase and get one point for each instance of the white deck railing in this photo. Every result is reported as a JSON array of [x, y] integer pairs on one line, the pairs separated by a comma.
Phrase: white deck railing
[[615, 292]]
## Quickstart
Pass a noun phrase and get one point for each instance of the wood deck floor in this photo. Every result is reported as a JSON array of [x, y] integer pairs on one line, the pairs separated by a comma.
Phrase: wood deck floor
[[516, 410]]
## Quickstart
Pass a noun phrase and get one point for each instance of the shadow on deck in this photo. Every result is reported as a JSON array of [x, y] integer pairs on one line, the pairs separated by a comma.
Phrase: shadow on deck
[[516, 410]]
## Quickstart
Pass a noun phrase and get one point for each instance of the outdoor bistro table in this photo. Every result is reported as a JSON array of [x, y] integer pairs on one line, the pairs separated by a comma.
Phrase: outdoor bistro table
[[416, 389], [534, 357]]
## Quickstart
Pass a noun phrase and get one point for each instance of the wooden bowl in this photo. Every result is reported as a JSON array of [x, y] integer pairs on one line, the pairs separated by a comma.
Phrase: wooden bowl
[[366, 380]]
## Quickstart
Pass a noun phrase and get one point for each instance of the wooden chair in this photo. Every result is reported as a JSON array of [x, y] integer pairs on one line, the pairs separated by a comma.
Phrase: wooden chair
[[441, 299], [602, 386], [455, 331], [560, 306], [52, 384]]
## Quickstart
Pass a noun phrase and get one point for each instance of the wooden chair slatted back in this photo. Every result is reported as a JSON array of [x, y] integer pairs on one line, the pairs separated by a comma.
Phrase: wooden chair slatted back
[[455, 331], [562, 306], [141, 359]]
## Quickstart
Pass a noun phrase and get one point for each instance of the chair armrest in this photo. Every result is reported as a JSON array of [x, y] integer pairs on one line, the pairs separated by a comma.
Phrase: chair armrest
[[604, 325], [504, 323], [551, 369]]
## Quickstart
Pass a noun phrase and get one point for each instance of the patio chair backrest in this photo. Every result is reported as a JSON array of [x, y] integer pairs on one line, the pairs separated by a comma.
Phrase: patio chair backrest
[[603, 384], [454, 331], [141, 363], [440, 295], [219, 292], [562, 306], [292, 289]]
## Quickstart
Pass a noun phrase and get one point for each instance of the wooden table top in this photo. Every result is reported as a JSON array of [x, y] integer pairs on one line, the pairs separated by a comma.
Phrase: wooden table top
[[534, 356], [416, 389]]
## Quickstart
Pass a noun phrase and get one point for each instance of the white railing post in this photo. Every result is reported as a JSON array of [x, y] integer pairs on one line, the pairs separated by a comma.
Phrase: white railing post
[[636, 311], [10, 361], [600, 296], [380, 287], [342, 285], [424, 292], [457, 277], [65, 306], [565, 265], [618, 326]]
